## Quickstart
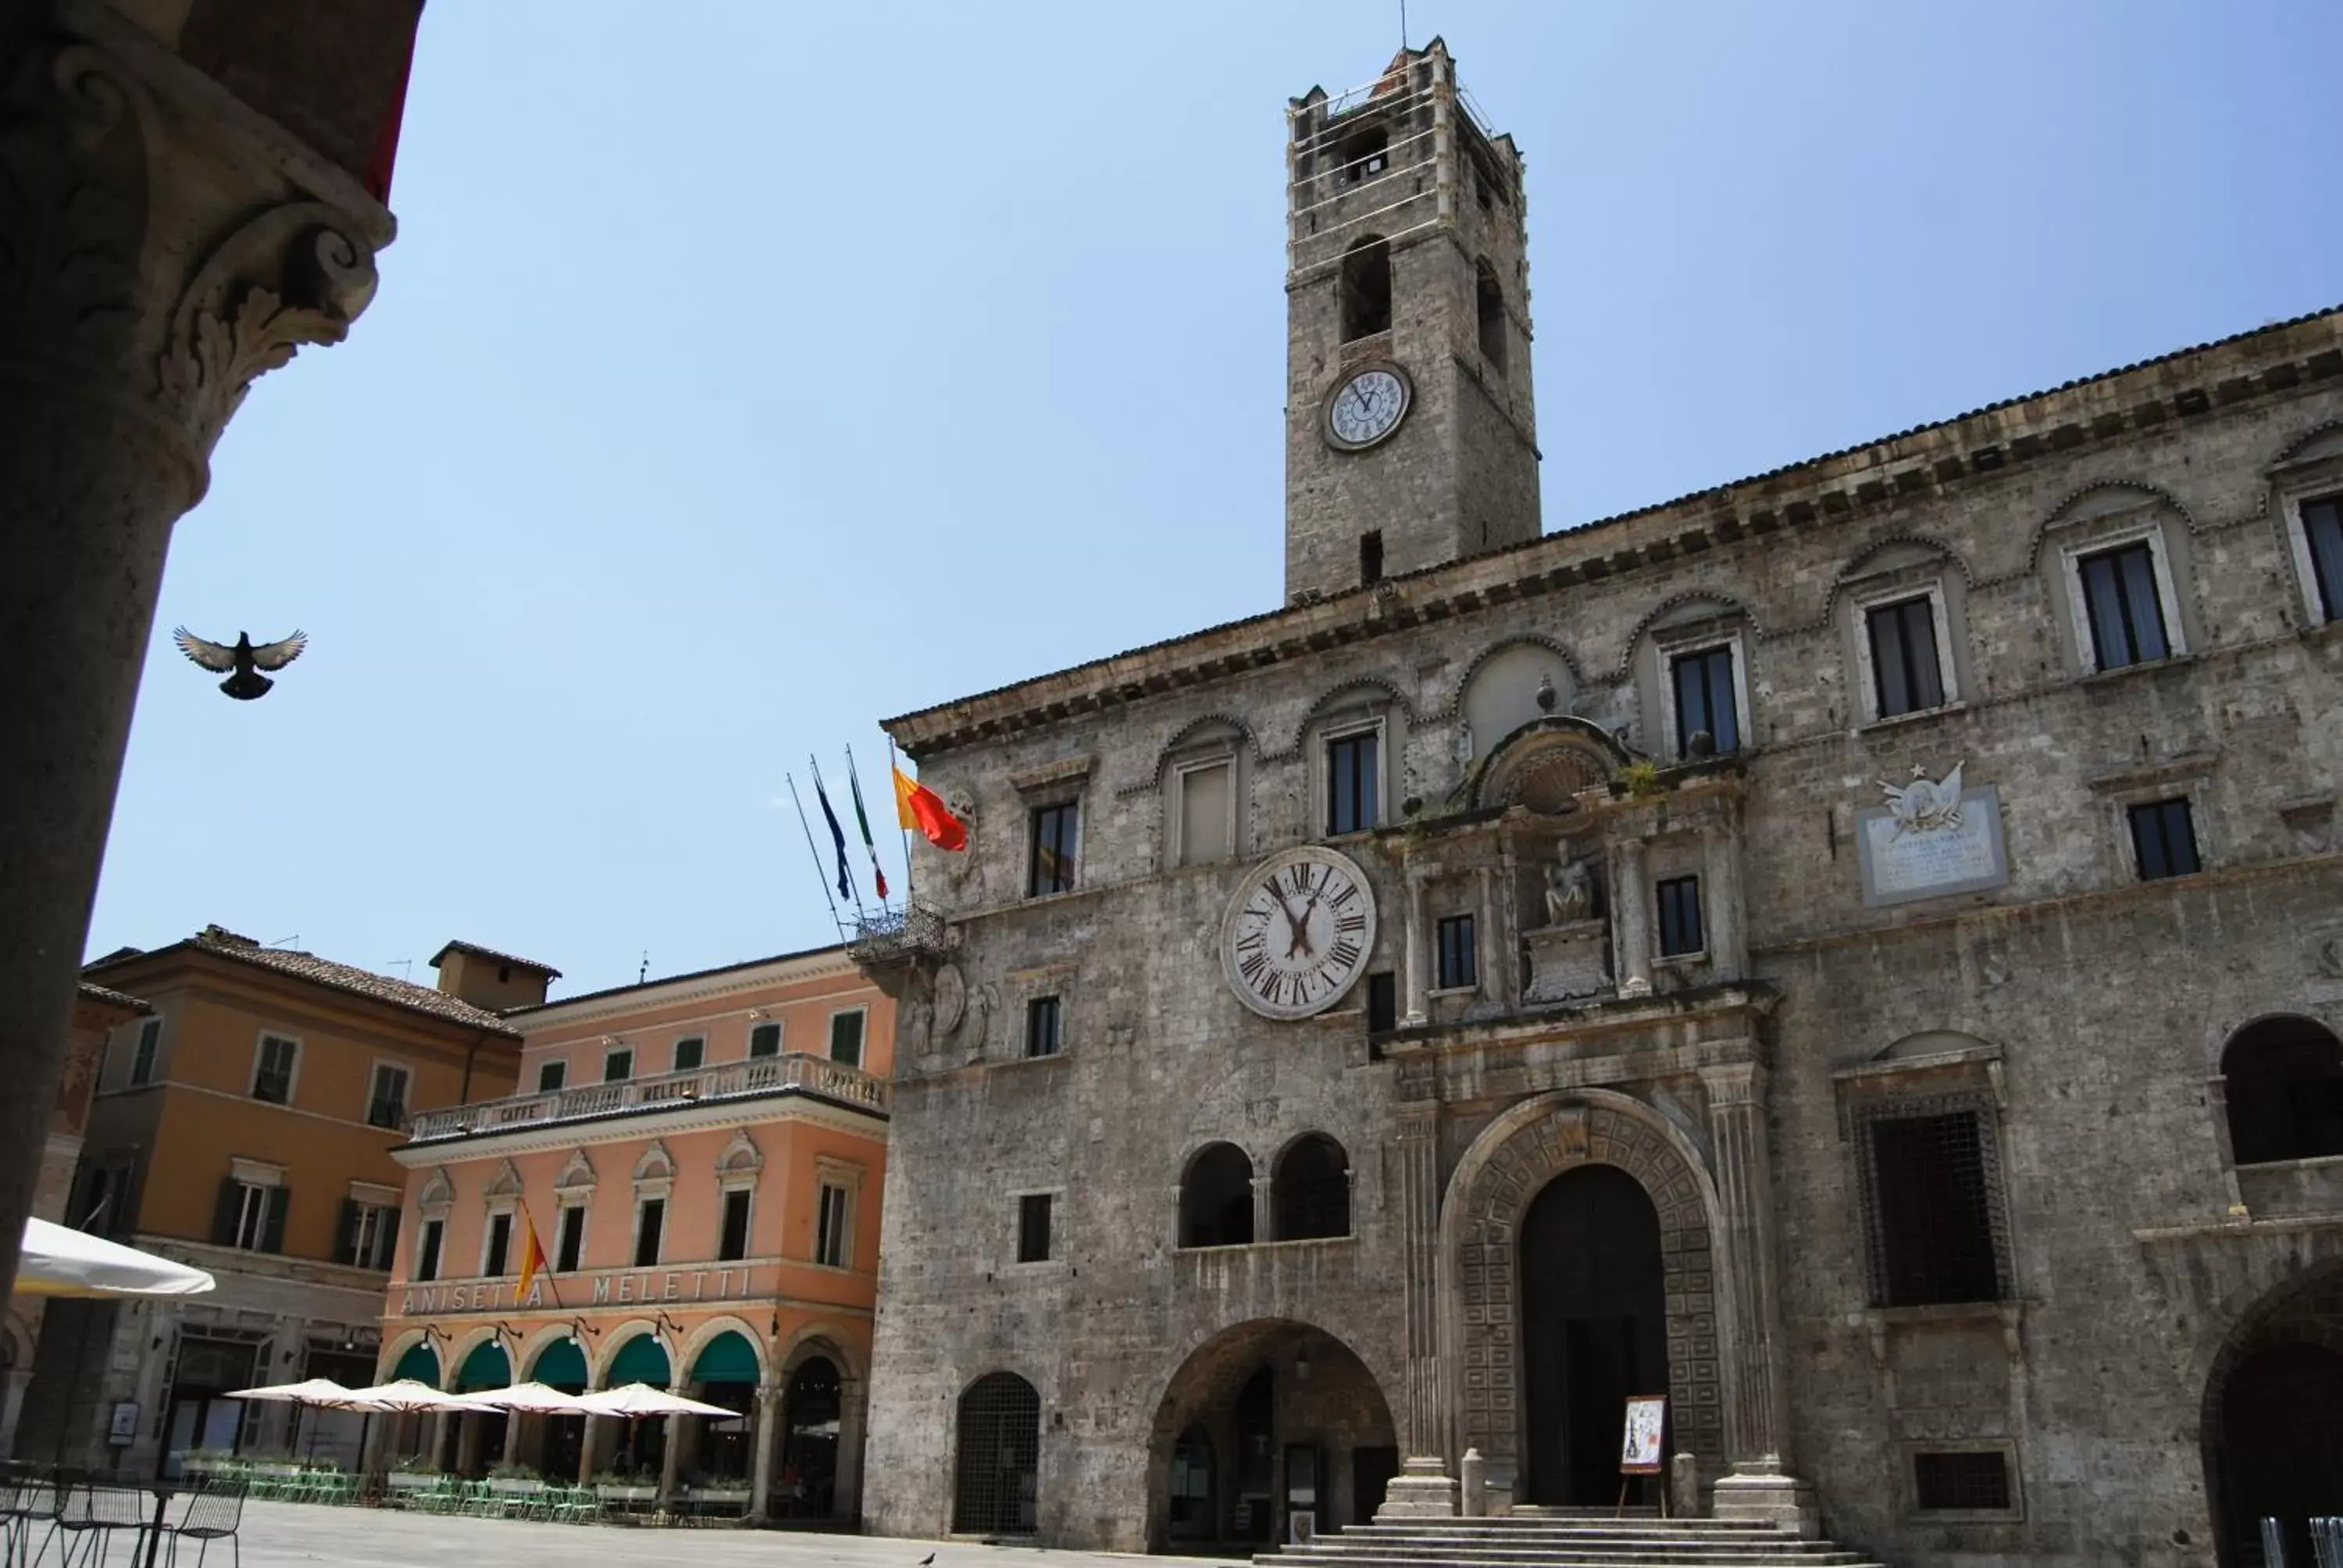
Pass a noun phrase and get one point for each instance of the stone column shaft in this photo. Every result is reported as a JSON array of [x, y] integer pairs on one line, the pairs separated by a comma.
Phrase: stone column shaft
[[1727, 937], [1425, 1409], [587, 1439], [1264, 1210], [1415, 1009], [1630, 899], [161, 246], [1753, 1417], [767, 1449], [853, 1424]]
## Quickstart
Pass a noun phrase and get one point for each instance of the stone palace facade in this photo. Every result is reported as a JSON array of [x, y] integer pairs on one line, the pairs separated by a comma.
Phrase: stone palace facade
[[1857, 951]]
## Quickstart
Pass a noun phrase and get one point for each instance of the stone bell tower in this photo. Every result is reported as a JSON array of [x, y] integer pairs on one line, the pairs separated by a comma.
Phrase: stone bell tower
[[1409, 435]]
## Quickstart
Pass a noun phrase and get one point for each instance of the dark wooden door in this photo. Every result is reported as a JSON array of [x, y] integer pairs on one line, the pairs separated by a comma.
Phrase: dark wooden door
[[1594, 1330], [2282, 1446]]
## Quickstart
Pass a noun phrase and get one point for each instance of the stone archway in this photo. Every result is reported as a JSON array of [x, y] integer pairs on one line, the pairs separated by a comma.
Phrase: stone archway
[[1480, 1229], [2272, 1427]]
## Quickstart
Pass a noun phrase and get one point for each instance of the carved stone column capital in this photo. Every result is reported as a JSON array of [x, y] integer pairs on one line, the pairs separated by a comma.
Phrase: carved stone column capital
[[1731, 1083], [162, 244]]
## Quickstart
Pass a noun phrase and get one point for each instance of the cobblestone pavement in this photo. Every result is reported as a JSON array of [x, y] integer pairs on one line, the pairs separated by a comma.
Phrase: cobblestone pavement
[[283, 1534]]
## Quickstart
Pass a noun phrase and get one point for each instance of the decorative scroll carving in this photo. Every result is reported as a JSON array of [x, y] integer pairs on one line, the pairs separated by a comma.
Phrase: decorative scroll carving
[[288, 278]]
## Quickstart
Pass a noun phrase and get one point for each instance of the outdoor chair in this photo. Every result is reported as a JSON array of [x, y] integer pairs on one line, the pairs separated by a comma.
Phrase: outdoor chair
[[577, 1505], [92, 1513], [214, 1513], [27, 1499]]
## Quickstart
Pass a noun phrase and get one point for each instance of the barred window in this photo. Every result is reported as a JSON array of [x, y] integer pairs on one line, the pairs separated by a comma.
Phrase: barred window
[[1932, 1183], [1970, 1481]]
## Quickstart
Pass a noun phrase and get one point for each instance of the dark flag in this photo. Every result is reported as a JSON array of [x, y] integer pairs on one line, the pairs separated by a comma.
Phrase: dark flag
[[837, 837]]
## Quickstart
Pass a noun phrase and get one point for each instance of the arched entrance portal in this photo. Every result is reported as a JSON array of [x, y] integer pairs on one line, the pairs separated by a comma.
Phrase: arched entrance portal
[[2273, 1422], [811, 1410], [1268, 1428], [1594, 1330]]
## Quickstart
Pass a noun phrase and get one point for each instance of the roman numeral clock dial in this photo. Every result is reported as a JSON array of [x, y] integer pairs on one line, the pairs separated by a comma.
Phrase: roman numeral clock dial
[[1298, 932]]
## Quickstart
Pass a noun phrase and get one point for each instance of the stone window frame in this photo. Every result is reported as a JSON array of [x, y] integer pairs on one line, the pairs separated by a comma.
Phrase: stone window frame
[[848, 1178], [2078, 604], [1348, 725], [2315, 475], [1919, 580], [2187, 777], [1689, 957], [862, 1037], [1017, 991], [1880, 1092], [379, 1199], [561, 1063], [1727, 628], [1908, 1481], [1219, 753], [494, 1202], [618, 1048], [1062, 783], [1015, 1210]]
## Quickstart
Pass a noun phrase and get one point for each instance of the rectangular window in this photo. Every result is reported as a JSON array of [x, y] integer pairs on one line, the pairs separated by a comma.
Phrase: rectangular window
[[618, 1066], [493, 1260], [1456, 967], [831, 1234], [650, 1218], [142, 1055], [272, 1077], [1054, 830], [1934, 1212], [373, 1235], [1351, 783], [689, 1051], [386, 1104], [2164, 840], [1961, 1482], [551, 1076], [2127, 616], [571, 1250], [764, 1040], [733, 1244], [845, 1038], [1904, 675], [1382, 1002], [2322, 528], [1204, 834], [1042, 1026], [1034, 1227], [1705, 699], [251, 1217], [1371, 556], [1680, 931], [427, 1251]]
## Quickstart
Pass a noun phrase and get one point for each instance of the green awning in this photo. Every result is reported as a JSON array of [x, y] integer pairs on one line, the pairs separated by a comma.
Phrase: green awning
[[419, 1363], [562, 1365], [486, 1367], [640, 1359], [726, 1358]]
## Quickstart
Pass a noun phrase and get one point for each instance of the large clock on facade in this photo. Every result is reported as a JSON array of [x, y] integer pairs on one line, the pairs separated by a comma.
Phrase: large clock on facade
[[1297, 934], [1367, 406]]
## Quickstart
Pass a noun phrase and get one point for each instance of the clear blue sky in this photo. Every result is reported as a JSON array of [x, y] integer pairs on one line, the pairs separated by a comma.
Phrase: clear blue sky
[[738, 381]]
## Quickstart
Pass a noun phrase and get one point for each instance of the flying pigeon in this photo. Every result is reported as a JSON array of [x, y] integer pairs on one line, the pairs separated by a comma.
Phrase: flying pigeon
[[243, 659]]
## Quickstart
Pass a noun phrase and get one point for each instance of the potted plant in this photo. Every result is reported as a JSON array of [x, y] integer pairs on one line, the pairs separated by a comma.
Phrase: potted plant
[[515, 1481]]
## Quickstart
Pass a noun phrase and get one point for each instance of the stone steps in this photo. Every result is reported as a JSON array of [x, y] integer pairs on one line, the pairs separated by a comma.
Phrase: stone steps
[[1559, 1539]]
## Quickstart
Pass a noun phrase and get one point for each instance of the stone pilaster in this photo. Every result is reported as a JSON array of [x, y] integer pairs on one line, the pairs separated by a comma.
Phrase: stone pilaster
[[161, 246], [1756, 1437], [853, 1428], [1417, 935], [1727, 936]]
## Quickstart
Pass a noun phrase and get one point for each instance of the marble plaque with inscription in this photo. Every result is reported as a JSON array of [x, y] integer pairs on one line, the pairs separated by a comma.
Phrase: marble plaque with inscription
[[1901, 864]]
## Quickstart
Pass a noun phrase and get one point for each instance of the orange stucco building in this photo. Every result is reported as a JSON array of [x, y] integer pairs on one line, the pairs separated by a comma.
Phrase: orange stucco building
[[699, 1158], [245, 1123]]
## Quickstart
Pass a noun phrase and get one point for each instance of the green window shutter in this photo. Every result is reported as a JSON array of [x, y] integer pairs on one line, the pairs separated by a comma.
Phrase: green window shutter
[[388, 1248], [345, 1232], [224, 1212], [272, 1226]]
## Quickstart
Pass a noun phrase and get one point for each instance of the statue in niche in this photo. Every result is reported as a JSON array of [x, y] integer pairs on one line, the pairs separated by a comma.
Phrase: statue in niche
[[1569, 889]]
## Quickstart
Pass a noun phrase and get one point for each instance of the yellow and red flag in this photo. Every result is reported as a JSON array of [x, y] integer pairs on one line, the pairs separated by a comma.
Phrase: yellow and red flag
[[532, 1258], [917, 806]]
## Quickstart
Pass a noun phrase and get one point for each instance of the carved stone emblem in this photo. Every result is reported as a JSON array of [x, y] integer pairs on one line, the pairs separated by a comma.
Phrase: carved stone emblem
[[951, 998], [1921, 807]]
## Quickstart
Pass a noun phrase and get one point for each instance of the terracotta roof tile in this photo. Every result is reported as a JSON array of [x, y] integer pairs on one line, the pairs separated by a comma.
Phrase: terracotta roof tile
[[477, 952], [348, 978]]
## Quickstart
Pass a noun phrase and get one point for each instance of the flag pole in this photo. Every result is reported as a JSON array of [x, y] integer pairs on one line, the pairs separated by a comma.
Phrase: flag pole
[[834, 918], [858, 912], [863, 820], [911, 882]]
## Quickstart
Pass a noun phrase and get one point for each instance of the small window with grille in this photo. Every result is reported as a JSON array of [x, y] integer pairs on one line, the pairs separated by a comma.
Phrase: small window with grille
[[1932, 1191], [1961, 1481]]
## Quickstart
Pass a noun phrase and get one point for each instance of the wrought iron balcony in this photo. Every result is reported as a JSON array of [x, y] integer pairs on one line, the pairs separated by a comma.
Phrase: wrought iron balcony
[[892, 936], [796, 1072]]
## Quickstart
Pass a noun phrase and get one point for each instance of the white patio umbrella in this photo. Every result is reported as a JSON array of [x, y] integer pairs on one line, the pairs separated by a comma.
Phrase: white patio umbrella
[[57, 1262], [407, 1394], [636, 1399], [323, 1392], [530, 1399]]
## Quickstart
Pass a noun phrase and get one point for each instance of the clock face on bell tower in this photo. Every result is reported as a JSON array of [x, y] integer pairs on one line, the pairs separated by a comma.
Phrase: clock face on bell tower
[[1409, 418]]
